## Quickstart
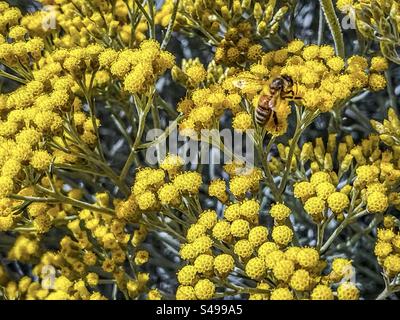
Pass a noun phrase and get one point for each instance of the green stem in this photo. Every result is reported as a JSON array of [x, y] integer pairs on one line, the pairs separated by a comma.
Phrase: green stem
[[302, 122], [263, 157], [321, 26], [155, 115], [74, 202], [390, 287], [152, 23], [352, 211], [142, 113], [288, 165], [389, 88], [384, 294], [334, 235], [170, 27], [32, 199], [12, 77], [320, 234], [148, 17], [334, 26]]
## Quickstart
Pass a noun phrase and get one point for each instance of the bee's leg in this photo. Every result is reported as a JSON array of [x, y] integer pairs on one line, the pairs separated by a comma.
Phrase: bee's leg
[[296, 87], [292, 94], [297, 98], [292, 97], [288, 96], [275, 119]]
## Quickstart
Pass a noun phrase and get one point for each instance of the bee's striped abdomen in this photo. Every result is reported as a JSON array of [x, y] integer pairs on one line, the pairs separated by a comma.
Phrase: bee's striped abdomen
[[263, 111]]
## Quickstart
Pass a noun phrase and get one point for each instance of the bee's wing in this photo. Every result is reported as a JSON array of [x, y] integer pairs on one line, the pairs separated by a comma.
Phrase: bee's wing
[[275, 100], [248, 85], [239, 83]]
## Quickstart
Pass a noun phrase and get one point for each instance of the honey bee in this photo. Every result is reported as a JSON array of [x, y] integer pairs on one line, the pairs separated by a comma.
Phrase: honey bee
[[281, 88]]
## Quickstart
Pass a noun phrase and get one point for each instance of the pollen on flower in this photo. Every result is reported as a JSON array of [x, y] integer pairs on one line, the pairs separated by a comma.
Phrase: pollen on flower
[[204, 263], [223, 264], [377, 202], [217, 188], [282, 235], [232, 212], [307, 257], [41, 160], [282, 294], [243, 248], [347, 291], [242, 122], [283, 269], [222, 230], [324, 190], [240, 228], [258, 235], [169, 194], [322, 292], [303, 190], [204, 289], [377, 82], [300, 280], [187, 275], [255, 268], [338, 201], [188, 182], [185, 293], [315, 207], [379, 64], [280, 212]]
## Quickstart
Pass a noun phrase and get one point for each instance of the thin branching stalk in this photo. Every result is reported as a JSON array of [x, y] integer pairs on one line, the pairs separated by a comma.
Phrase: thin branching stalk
[[74, 202], [170, 27], [321, 26], [334, 25], [143, 111], [12, 77]]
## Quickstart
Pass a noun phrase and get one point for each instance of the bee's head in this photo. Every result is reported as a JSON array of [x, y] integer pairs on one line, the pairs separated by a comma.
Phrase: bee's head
[[277, 84], [287, 83], [283, 83]]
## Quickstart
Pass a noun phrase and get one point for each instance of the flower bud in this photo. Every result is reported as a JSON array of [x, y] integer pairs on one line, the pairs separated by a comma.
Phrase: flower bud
[[258, 11]]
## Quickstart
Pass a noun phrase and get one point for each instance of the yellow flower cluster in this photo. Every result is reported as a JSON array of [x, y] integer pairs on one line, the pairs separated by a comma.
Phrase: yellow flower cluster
[[242, 183], [243, 180], [237, 243], [166, 186], [45, 122], [138, 69], [32, 131], [238, 46], [81, 23], [322, 79], [372, 189], [191, 75], [234, 27], [204, 107], [78, 257], [388, 245]]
